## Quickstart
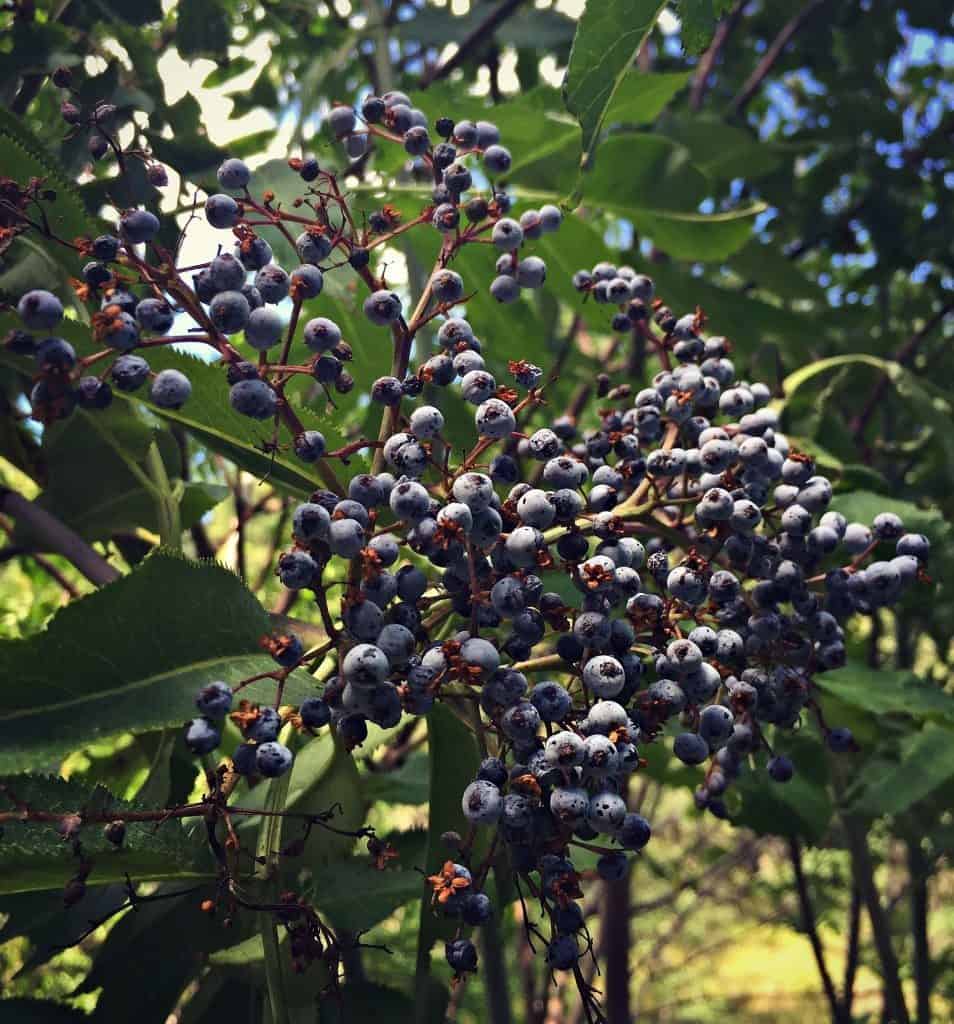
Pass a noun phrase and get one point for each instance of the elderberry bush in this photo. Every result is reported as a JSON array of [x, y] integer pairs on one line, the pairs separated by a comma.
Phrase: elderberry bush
[[662, 568]]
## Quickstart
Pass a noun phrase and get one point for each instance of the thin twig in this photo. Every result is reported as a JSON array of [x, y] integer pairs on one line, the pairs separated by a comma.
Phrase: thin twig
[[51, 570], [772, 54], [58, 537], [472, 41], [852, 952], [700, 81], [30, 84], [919, 871], [880, 926], [810, 926], [904, 357]]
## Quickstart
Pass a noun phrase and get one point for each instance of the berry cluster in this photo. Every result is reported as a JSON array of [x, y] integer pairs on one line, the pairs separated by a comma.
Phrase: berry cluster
[[674, 562], [725, 638]]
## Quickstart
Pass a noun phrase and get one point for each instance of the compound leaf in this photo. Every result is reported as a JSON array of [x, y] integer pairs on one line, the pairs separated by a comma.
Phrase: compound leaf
[[354, 895], [129, 658], [608, 37], [887, 692], [34, 856], [891, 787]]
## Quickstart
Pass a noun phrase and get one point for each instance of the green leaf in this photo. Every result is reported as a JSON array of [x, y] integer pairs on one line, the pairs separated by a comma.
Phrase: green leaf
[[608, 37], [892, 787], [764, 266], [749, 322], [34, 856], [863, 506], [322, 779], [364, 1001], [219, 998], [112, 445], [40, 1011], [454, 759], [209, 416], [191, 153], [409, 784], [664, 767], [246, 955], [805, 373], [202, 29], [539, 121], [23, 156], [354, 895], [177, 933], [703, 236], [227, 70], [642, 171], [130, 658], [245, 961], [801, 807], [723, 151], [252, 144], [797, 808], [542, 29], [697, 19], [885, 692], [136, 12], [33, 267], [49, 926], [651, 181], [642, 97], [926, 402]]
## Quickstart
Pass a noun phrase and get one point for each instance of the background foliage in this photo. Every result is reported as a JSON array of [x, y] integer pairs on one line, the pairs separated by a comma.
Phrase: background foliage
[[787, 168]]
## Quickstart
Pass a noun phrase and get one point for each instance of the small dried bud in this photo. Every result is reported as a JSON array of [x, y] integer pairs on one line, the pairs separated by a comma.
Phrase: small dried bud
[[62, 78], [104, 111], [452, 839], [69, 826], [97, 146], [73, 892], [115, 832], [70, 112], [157, 175]]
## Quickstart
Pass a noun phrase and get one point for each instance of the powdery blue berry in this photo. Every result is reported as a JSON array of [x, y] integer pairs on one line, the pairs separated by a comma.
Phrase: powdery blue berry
[[233, 174], [201, 736], [382, 307], [265, 326], [214, 700], [138, 226], [494, 418], [254, 398], [273, 759], [296, 569], [40, 310], [505, 289], [222, 211], [170, 389], [507, 234], [229, 311], [309, 446], [129, 372], [482, 803]]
